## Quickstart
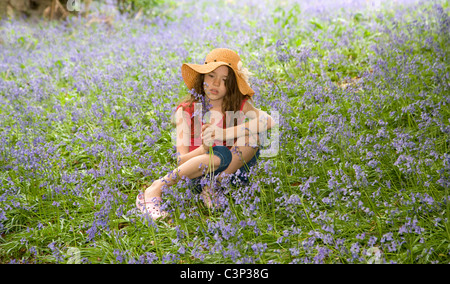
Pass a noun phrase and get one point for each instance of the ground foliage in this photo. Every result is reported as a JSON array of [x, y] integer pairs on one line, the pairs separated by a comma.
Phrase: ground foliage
[[362, 172]]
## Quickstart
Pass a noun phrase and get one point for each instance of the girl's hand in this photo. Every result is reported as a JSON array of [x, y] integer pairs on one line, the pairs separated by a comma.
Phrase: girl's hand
[[207, 136], [211, 132]]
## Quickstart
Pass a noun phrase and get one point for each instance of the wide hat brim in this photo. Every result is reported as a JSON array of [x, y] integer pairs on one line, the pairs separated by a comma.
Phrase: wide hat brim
[[190, 72]]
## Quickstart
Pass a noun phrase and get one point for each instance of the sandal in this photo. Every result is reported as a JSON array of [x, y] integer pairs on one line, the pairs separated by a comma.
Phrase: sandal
[[151, 207]]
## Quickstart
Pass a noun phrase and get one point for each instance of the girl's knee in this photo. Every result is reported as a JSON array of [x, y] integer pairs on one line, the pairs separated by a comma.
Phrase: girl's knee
[[244, 151], [251, 140], [240, 156]]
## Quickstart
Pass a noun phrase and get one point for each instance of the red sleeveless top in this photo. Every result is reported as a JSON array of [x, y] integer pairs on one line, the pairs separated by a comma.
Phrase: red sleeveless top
[[193, 119]]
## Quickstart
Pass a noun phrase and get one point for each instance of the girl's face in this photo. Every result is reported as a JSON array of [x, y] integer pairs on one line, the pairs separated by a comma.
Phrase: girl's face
[[214, 83]]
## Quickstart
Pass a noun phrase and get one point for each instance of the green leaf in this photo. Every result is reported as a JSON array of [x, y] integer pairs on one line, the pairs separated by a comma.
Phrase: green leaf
[[358, 17], [316, 24]]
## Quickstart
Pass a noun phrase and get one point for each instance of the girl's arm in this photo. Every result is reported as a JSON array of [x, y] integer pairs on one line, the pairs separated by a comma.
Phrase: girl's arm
[[183, 131], [259, 122], [185, 156]]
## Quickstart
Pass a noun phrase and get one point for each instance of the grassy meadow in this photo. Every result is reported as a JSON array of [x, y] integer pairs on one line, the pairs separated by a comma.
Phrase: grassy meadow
[[362, 173]]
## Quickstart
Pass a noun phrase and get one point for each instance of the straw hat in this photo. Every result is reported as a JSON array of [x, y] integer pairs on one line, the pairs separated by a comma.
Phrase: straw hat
[[219, 57]]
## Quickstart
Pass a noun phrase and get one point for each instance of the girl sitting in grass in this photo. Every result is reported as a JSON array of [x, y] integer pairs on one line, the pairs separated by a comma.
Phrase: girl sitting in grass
[[226, 143]]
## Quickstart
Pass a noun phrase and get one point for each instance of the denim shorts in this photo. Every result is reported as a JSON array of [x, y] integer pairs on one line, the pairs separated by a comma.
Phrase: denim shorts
[[241, 175]]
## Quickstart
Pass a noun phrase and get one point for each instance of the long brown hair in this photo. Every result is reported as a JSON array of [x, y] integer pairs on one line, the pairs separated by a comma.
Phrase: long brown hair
[[232, 100]]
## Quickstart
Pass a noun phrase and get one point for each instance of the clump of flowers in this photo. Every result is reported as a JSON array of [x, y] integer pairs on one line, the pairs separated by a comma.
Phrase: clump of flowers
[[362, 173]]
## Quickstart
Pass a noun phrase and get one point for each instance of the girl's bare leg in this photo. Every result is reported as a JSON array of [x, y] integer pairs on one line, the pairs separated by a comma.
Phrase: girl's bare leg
[[239, 155], [196, 167], [191, 169]]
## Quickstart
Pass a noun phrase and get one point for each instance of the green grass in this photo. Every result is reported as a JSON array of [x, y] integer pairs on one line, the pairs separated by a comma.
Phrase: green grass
[[363, 162]]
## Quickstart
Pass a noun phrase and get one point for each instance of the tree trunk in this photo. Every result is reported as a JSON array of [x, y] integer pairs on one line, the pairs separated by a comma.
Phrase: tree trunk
[[3, 5], [52, 9]]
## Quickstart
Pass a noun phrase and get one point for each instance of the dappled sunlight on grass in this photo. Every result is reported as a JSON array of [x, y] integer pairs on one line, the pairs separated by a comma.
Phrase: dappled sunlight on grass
[[361, 175]]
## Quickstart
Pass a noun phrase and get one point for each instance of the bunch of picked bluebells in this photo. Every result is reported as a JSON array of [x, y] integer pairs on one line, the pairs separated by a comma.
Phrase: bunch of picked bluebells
[[362, 174], [205, 105]]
